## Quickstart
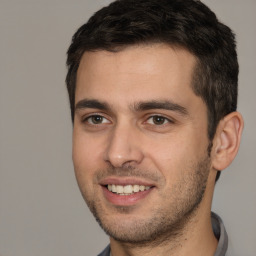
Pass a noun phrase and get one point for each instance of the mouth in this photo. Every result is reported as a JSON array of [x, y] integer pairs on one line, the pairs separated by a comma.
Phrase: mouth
[[127, 189], [125, 192]]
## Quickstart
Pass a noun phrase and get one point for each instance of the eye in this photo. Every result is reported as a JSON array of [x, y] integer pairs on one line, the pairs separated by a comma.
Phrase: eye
[[96, 119], [158, 120]]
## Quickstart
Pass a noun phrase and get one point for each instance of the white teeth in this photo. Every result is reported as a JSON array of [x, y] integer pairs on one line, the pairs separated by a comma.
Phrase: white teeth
[[113, 188], [142, 188], [128, 189], [119, 189], [136, 188]]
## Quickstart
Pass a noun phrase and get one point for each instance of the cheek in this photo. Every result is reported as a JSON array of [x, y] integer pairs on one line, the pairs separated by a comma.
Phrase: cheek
[[168, 158], [175, 154], [87, 155]]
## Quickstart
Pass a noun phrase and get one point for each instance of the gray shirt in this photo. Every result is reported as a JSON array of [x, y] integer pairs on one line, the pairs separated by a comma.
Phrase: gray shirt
[[219, 232]]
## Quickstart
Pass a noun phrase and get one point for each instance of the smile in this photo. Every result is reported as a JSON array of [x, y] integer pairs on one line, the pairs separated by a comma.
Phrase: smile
[[127, 189]]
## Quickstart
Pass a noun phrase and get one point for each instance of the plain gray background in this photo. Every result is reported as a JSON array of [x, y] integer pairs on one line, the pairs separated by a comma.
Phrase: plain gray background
[[41, 210]]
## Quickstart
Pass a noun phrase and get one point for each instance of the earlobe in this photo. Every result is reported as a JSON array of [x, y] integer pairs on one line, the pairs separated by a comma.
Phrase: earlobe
[[227, 140]]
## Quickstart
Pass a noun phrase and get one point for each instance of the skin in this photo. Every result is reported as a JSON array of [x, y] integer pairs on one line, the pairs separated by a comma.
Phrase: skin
[[116, 139]]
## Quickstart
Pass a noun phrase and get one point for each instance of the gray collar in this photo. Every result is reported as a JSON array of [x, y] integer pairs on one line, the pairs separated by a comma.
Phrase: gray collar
[[221, 234]]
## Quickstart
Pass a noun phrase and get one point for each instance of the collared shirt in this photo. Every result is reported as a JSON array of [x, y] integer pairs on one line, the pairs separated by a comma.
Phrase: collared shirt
[[219, 232]]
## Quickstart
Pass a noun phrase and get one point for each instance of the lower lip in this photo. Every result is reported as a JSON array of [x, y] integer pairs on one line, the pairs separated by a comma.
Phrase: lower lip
[[122, 200]]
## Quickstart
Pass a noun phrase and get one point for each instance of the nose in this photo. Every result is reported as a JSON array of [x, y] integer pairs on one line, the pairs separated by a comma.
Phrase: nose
[[124, 147]]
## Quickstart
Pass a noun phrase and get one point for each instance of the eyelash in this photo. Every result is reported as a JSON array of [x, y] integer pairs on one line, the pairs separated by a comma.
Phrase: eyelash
[[87, 118], [163, 120]]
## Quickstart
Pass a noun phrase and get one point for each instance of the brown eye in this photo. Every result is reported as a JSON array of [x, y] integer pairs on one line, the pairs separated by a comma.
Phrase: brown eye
[[96, 119], [157, 120]]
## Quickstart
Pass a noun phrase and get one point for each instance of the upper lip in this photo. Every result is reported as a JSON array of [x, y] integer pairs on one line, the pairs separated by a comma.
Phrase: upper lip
[[123, 181]]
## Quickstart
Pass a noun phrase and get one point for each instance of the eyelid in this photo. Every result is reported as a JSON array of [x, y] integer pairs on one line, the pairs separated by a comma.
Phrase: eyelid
[[85, 117], [170, 120]]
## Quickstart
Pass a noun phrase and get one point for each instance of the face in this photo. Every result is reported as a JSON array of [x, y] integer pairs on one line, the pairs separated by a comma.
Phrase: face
[[140, 141]]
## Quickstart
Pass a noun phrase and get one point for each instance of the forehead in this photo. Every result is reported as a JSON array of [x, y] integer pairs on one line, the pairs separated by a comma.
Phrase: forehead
[[136, 73]]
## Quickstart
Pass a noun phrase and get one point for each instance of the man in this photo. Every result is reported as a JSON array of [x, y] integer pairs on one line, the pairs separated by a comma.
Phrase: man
[[153, 92]]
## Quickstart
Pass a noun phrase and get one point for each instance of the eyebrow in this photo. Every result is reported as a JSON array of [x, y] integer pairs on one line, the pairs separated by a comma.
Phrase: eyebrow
[[86, 103], [137, 107], [166, 105]]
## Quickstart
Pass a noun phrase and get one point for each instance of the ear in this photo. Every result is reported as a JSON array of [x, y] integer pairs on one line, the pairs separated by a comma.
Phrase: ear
[[227, 140]]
